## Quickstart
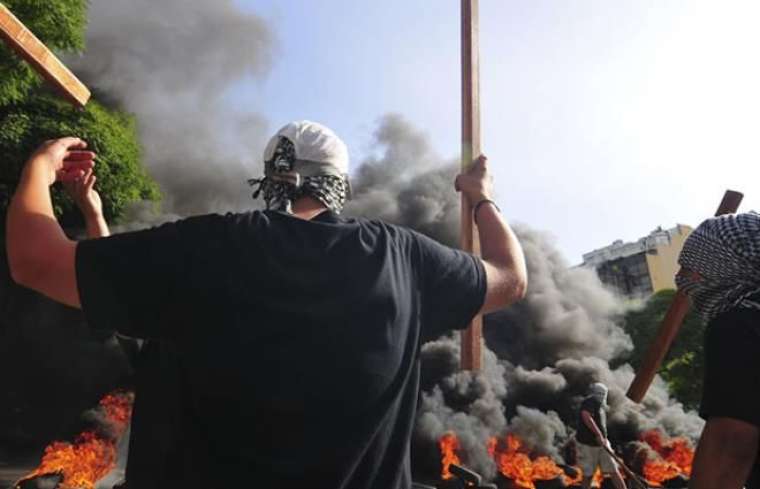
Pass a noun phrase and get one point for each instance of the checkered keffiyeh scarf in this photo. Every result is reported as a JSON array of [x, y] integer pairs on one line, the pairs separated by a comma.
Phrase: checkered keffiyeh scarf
[[725, 252], [281, 185]]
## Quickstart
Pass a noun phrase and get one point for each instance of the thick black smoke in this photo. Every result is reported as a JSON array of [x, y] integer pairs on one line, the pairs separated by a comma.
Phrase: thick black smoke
[[469, 404], [408, 183], [567, 313], [541, 354], [172, 63]]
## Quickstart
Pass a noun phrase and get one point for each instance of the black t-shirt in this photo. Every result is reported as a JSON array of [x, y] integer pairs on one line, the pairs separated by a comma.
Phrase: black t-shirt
[[297, 340], [596, 410], [732, 367]]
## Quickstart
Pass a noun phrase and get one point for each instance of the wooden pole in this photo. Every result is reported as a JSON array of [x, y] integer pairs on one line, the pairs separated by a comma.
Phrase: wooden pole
[[26, 44], [471, 355], [672, 321]]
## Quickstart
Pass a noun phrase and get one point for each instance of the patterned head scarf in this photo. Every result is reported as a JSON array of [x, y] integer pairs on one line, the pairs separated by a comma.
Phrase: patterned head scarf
[[725, 253], [304, 159], [599, 392]]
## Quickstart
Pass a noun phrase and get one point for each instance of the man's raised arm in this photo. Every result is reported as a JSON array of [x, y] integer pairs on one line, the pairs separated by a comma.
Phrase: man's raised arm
[[502, 255], [40, 255], [82, 190]]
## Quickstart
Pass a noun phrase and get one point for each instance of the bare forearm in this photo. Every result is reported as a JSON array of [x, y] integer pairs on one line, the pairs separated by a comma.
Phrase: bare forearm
[[498, 243], [40, 255], [97, 227], [503, 260], [725, 455], [33, 191], [31, 222], [501, 249]]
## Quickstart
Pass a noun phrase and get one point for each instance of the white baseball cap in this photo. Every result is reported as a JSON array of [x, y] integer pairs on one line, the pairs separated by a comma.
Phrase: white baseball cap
[[318, 150]]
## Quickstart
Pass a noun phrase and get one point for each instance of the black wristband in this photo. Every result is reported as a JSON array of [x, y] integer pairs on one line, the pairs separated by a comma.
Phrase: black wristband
[[477, 206]]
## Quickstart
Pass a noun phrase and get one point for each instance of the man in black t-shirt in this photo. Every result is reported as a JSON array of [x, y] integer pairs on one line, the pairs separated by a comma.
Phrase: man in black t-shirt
[[720, 272], [297, 331], [592, 443]]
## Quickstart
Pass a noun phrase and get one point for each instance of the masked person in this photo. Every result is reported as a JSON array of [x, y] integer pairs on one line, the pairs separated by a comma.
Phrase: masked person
[[720, 273], [592, 439], [298, 330]]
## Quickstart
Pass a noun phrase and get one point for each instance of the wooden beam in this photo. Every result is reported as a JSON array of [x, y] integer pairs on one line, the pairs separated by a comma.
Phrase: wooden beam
[[672, 321], [471, 354], [25, 43]]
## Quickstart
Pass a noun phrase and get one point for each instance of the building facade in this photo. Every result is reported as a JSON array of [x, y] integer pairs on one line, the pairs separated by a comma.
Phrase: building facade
[[641, 268]]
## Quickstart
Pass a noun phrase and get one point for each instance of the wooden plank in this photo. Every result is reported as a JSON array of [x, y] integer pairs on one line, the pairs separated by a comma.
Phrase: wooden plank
[[672, 321], [471, 354], [28, 46]]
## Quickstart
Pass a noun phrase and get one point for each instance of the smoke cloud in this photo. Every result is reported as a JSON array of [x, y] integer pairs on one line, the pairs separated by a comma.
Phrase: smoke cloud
[[171, 63], [407, 183], [172, 69], [469, 404], [541, 354], [566, 314]]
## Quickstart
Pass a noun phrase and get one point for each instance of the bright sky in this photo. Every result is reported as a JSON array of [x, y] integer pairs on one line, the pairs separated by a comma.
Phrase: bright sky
[[602, 120]]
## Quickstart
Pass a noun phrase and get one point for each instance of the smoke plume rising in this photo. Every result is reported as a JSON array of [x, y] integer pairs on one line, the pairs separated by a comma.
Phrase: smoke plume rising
[[172, 71], [408, 183], [171, 63], [541, 354]]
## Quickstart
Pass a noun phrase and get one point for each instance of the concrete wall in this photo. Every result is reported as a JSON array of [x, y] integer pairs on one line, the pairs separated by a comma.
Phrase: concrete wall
[[663, 260]]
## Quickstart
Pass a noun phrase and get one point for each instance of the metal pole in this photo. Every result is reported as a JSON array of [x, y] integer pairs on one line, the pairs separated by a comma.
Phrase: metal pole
[[471, 355]]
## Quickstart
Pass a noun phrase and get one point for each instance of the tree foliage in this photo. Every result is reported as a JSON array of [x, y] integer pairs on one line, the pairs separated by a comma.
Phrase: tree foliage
[[30, 114], [111, 134], [60, 24], [684, 377], [683, 367]]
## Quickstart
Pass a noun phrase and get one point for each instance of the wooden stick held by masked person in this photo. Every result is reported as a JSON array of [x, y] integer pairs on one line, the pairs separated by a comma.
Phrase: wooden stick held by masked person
[[671, 324], [720, 274]]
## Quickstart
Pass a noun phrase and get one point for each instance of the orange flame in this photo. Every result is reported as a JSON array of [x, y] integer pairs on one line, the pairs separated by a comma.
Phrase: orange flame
[[514, 463], [448, 444], [677, 456], [598, 478], [92, 455]]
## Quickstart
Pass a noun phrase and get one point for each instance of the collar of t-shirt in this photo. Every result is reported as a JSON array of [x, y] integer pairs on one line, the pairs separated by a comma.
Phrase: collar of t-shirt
[[327, 216]]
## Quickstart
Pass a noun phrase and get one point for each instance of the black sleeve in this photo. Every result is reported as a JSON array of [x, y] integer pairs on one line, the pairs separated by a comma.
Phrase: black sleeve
[[732, 367], [453, 287], [138, 283]]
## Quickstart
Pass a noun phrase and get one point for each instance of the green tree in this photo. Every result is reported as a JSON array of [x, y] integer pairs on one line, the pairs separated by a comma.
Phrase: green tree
[[684, 377], [60, 24], [111, 134], [30, 114], [683, 367]]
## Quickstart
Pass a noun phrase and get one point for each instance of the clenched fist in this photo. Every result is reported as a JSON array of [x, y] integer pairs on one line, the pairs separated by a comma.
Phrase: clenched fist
[[64, 159], [475, 183]]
